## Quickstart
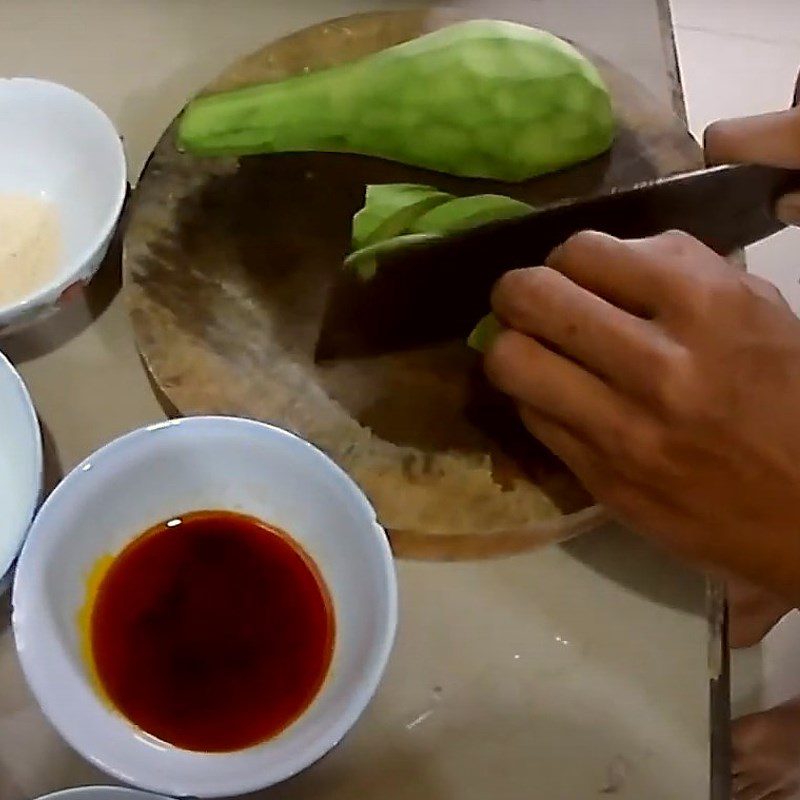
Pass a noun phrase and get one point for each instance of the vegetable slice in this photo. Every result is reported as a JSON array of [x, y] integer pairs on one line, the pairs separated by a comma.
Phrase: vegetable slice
[[389, 210], [462, 213], [364, 261], [484, 333]]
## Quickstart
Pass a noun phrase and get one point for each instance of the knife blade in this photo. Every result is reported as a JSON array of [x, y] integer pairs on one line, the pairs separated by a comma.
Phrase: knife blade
[[435, 290]]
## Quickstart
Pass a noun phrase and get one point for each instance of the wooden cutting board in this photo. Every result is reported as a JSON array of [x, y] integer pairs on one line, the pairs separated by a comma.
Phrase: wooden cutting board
[[226, 269]]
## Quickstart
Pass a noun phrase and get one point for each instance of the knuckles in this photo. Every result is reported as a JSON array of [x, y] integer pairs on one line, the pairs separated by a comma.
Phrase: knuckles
[[579, 246], [704, 284], [677, 241], [709, 296], [519, 294], [517, 289], [731, 297], [673, 244], [762, 291], [673, 383]]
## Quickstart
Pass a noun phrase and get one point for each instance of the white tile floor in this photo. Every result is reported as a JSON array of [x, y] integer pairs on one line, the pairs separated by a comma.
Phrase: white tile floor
[[741, 57]]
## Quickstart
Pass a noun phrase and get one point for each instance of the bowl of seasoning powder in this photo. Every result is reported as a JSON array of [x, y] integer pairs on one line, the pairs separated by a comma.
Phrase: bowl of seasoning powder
[[62, 186]]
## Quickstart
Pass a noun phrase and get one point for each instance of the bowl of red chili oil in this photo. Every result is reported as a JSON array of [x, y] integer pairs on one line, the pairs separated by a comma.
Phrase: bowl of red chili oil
[[205, 607]]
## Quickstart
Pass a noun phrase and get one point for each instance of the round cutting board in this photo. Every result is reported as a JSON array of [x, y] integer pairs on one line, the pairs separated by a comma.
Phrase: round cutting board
[[226, 267]]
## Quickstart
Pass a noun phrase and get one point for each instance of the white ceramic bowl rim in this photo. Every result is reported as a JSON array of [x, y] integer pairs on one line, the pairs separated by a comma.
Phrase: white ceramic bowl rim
[[50, 291], [92, 730], [102, 793], [36, 437]]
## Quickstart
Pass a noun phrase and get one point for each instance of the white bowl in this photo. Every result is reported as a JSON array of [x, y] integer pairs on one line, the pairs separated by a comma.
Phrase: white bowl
[[21, 471], [154, 474], [101, 793], [58, 145]]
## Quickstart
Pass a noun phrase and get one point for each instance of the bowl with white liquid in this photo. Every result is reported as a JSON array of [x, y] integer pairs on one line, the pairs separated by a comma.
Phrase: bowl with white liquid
[[21, 466], [62, 186]]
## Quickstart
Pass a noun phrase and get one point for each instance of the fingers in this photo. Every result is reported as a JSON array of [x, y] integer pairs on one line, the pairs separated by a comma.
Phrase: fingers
[[754, 792], [547, 305], [766, 139], [573, 303], [609, 268], [552, 384], [746, 786], [643, 276], [574, 452]]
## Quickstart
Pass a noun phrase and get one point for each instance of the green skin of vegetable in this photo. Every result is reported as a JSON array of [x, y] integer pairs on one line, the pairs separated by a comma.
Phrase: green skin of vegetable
[[398, 214], [484, 98]]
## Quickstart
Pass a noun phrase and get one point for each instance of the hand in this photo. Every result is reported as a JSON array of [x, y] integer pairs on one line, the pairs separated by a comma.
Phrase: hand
[[669, 382], [767, 139]]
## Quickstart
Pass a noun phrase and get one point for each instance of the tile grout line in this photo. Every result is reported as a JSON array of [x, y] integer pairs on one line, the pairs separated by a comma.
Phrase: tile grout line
[[735, 35]]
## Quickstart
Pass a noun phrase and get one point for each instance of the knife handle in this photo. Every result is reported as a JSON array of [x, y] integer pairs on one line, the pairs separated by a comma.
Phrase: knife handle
[[751, 207]]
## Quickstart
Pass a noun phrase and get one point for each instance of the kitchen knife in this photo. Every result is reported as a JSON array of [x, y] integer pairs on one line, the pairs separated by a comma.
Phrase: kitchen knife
[[437, 289]]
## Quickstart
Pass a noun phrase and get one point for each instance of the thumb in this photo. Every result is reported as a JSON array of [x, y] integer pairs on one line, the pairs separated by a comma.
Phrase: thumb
[[772, 139]]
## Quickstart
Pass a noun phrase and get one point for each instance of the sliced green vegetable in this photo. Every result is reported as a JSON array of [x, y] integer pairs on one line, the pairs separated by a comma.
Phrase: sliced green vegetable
[[389, 210], [396, 215], [395, 209], [364, 261], [462, 213], [484, 333], [483, 98]]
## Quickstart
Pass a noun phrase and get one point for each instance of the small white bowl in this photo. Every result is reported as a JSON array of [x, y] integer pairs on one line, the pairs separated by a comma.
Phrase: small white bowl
[[154, 474], [58, 145], [21, 470], [101, 793]]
